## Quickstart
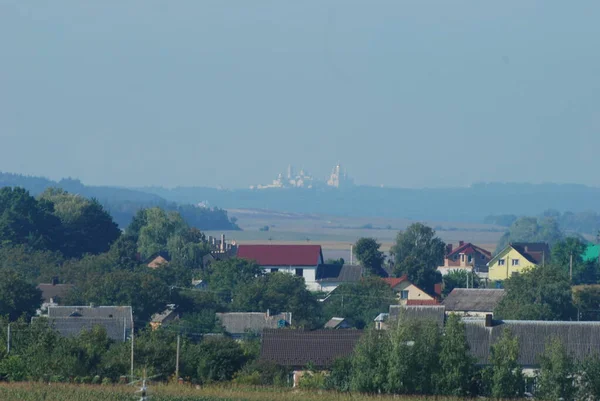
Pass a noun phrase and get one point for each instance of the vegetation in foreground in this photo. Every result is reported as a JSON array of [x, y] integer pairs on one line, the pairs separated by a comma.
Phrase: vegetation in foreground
[[72, 392]]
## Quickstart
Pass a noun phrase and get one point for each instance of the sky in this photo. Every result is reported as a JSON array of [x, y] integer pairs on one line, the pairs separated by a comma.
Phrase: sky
[[229, 92]]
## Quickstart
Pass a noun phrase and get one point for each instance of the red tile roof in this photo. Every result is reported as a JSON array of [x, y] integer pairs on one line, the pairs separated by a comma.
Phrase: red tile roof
[[421, 302], [282, 255], [468, 249], [394, 281]]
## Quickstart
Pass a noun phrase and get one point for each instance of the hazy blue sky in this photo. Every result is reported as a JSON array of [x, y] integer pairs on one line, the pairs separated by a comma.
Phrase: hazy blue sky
[[403, 93]]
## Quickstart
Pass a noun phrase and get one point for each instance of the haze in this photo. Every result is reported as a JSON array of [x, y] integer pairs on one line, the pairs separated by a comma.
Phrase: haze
[[228, 93]]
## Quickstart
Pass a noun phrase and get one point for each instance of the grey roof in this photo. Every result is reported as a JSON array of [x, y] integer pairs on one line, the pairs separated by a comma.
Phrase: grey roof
[[435, 313], [581, 339], [243, 322], [298, 348], [116, 329], [96, 312], [473, 300], [168, 314], [336, 322], [53, 291], [337, 273]]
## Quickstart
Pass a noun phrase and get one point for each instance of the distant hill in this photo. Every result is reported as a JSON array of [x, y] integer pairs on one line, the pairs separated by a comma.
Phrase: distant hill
[[123, 203], [472, 204]]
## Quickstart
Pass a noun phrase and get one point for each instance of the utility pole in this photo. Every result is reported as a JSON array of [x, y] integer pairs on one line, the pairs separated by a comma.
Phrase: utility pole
[[8, 339], [571, 267], [177, 358], [132, 353], [351, 254]]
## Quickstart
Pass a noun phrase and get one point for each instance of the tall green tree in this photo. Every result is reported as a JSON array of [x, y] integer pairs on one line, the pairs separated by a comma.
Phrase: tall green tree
[[187, 248], [368, 254], [225, 276], [507, 374], [572, 248], [459, 279], [539, 293], [557, 373], [456, 365], [360, 302], [370, 362], [590, 378], [418, 252], [531, 229], [153, 227], [17, 297], [280, 292]]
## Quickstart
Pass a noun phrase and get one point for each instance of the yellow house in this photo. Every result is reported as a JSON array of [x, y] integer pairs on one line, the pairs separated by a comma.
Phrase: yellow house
[[407, 292], [517, 257]]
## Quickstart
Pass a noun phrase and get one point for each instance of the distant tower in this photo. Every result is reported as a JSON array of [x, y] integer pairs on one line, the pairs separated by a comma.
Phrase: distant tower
[[290, 172]]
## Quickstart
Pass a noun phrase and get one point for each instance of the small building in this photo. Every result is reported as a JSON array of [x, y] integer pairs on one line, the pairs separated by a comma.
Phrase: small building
[[295, 349], [467, 257], [158, 259], [405, 290], [329, 277], [473, 302], [301, 260], [517, 257], [53, 294], [336, 323], [241, 324], [168, 315], [70, 321]]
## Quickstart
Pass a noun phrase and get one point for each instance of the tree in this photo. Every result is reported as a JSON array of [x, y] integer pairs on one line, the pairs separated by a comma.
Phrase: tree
[[17, 297], [26, 221], [557, 373], [571, 247], [225, 276], [368, 254], [153, 227], [459, 279], [188, 248], [507, 374], [531, 229], [220, 358], [456, 365], [590, 378], [88, 228], [586, 298], [360, 302], [279, 292], [370, 362], [539, 293], [123, 253], [418, 253]]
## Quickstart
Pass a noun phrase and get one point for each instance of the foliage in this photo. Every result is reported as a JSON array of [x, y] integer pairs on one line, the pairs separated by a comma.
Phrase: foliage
[[220, 358], [586, 298], [456, 365], [590, 378], [360, 302], [368, 254], [261, 373], [369, 362], [507, 374], [531, 229], [340, 375], [418, 253], [557, 374], [225, 276], [539, 293], [459, 279], [279, 292], [17, 297], [583, 272]]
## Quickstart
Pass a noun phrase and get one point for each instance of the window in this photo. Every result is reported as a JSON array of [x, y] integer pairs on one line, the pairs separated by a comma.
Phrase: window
[[482, 257], [404, 294], [500, 262], [515, 262], [274, 270], [462, 257], [470, 258], [300, 272]]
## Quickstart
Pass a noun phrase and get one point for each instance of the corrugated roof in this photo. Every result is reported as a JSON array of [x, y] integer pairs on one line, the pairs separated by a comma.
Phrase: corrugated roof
[[580, 339], [473, 299], [116, 329], [54, 291], [256, 322], [422, 302], [335, 322], [100, 312], [298, 348], [337, 273], [435, 313], [282, 255]]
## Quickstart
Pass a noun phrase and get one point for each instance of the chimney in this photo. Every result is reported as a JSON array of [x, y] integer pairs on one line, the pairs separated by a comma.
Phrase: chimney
[[55, 280], [488, 320], [268, 313], [437, 289], [461, 243], [448, 249], [222, 242]]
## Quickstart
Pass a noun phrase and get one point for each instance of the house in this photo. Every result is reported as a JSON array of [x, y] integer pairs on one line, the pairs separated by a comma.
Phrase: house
[[169, 314], [517, 257], [473, 302], [336, 323], [580, 339], [329, 277], [301, 260], [240, 324], [468, 257], [157, 259], [406, 290], [70, 321], [295, 349], [53, 293]]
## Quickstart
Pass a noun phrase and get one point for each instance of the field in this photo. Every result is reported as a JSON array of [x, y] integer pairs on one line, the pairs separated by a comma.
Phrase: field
[[66, 392], [335, 234]]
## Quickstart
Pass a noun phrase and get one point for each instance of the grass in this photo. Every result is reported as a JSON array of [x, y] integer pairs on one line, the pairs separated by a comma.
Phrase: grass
[[71, 392]]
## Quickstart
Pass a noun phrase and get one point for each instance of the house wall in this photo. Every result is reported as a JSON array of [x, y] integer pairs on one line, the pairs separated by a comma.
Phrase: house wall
[[308, 272], [499, 272], [328, 286], [414, 292]]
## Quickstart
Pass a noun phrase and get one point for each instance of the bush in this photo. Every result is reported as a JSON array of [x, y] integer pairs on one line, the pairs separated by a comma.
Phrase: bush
[[262, 373], [106, 381], [313, 380]]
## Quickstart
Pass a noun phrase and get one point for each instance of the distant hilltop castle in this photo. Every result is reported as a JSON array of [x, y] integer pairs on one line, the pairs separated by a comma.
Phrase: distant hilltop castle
[[337, 179]]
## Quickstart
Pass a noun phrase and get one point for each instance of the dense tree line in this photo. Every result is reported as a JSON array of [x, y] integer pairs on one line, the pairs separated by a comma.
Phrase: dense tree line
[[581, 222]]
